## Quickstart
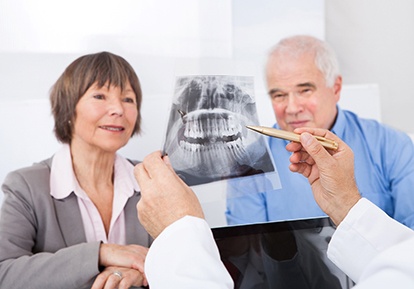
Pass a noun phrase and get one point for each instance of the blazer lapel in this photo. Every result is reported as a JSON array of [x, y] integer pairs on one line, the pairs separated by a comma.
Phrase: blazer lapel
[[68, 216], [135, 232], [70, 220]]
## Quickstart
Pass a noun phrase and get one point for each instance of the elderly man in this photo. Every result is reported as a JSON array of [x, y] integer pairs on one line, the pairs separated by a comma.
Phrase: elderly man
[[304, 84]]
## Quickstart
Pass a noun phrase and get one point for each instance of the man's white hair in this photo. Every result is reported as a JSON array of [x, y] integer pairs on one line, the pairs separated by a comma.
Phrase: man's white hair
[[325, 58]]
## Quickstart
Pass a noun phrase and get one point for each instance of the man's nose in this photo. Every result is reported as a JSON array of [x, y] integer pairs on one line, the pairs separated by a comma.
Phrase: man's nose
[[293, 105]]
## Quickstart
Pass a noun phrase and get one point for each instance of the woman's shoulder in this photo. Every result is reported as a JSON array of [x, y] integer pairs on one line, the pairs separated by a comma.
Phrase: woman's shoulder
[[36, 174], [35, 167]]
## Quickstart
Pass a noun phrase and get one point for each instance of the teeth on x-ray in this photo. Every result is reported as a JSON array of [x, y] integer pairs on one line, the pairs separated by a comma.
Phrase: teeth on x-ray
[[211, 127], [208, 136]]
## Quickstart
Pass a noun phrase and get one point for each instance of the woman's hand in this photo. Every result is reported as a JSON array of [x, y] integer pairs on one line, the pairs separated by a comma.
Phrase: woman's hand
[[119, 277], [127, 256]]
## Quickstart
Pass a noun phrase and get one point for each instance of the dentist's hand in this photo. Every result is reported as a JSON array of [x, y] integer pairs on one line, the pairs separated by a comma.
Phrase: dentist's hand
[[330, 172], [165, 198]]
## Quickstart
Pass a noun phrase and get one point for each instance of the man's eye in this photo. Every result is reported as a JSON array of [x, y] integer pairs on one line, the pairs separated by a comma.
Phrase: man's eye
[[278, 95], [305, 91]]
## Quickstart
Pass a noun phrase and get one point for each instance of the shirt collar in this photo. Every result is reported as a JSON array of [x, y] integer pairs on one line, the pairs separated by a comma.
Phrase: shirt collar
[[62, 177], [125, 181], [63, 181], [340, 122]]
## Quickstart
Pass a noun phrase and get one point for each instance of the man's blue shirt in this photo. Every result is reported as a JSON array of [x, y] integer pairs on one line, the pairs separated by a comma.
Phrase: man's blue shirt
[[384, 172]]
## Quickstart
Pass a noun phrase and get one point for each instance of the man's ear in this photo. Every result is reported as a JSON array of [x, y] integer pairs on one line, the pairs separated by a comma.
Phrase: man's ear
[[337, 87]]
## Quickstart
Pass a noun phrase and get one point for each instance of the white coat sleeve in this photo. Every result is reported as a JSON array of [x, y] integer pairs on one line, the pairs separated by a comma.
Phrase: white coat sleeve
[[185, 255], [372, 248]]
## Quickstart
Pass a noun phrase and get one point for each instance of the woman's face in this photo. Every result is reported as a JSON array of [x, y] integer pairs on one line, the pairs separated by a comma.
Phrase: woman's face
[[105, 117]]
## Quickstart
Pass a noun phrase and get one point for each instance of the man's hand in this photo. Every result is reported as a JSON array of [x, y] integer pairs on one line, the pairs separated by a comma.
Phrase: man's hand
[[165, 198], [330, 172]]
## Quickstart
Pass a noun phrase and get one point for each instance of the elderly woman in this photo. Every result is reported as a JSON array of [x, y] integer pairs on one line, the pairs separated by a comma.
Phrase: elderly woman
[[71, 221]]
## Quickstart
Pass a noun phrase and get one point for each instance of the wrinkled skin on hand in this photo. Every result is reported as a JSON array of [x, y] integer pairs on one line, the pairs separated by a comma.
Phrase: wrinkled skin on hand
[[329, 172]]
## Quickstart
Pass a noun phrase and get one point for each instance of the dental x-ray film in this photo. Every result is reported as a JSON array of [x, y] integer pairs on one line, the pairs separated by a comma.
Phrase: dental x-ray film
[[206, 138]]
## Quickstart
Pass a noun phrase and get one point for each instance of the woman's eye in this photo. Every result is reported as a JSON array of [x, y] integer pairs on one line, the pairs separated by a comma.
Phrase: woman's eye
[[129, 100], [98, 96]]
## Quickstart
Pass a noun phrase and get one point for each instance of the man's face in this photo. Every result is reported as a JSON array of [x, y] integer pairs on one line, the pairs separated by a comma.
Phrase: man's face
[[299, 94]]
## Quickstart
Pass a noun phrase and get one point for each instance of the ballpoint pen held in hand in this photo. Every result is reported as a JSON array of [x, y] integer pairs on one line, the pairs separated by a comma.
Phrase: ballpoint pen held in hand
[[287, 135]]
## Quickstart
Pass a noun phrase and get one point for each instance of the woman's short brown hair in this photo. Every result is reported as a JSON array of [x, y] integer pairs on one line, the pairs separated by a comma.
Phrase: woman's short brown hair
[[103, 68]]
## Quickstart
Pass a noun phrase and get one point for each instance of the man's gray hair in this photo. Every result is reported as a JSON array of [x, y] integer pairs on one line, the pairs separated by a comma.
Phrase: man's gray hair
[[325, 58]]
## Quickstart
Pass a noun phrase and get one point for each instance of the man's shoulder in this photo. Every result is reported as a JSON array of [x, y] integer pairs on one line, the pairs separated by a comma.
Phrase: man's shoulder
[[350, 115], [376, 133], [371, 125]]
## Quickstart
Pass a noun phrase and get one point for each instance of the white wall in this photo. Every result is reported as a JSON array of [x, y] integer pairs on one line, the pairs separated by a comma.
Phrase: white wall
[[374, 41]]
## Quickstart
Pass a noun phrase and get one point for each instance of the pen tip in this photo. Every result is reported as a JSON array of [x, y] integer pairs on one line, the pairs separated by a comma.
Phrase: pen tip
[[254, 128]]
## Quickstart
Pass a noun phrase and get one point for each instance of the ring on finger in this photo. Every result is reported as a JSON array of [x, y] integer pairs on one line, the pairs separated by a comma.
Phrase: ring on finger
[[118, 274]]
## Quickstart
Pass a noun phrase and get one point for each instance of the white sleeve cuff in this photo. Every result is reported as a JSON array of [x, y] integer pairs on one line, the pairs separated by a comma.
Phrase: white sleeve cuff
[[365, 231], [185, 255]]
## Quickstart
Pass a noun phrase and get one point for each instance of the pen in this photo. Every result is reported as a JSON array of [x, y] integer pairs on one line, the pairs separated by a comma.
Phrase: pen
[[330, 144]]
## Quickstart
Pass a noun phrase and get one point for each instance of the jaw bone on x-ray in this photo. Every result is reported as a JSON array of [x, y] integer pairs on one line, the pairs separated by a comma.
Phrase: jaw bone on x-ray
[[206, 137]]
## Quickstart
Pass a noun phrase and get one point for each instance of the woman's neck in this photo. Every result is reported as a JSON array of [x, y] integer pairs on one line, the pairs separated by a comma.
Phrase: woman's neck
[[92, 166], [94, 171]]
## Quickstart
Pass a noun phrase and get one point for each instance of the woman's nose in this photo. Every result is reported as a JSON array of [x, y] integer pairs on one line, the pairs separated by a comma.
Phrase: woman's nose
[[116, 108]]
